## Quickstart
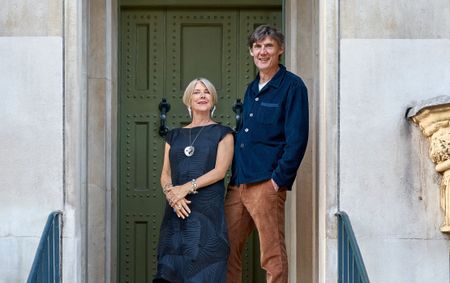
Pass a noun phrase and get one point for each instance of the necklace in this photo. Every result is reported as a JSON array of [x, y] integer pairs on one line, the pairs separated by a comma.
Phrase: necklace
[[190, 149]]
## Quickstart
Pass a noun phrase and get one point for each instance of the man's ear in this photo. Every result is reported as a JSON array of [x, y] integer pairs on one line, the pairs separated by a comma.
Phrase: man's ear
[[250, 51]]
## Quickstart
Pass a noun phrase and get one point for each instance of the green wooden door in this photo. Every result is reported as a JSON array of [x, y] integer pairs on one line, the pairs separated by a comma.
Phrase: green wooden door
[[161, 50]]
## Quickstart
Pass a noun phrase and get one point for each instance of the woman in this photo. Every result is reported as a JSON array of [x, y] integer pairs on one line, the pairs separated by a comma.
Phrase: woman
[[193, 243]]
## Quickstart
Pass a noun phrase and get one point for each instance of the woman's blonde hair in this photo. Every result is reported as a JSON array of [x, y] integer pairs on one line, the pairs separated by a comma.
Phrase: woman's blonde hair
[[190, 89]]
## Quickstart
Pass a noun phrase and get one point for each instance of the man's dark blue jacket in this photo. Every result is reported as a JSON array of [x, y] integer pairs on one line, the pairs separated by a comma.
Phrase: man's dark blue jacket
[[272, 138]]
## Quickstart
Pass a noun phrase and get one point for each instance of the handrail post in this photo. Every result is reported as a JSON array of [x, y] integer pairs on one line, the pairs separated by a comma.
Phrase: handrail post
[[47, 261], [351, 266]]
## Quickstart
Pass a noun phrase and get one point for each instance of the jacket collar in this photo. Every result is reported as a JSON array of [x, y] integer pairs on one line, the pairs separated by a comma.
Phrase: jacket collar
[[274, 82]]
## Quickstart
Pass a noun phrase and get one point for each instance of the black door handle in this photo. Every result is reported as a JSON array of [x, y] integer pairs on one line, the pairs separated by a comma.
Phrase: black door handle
[[164, 107], [237, 108]]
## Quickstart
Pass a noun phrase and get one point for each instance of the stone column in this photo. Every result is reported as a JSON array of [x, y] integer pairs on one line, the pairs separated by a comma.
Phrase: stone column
[[433, 118]]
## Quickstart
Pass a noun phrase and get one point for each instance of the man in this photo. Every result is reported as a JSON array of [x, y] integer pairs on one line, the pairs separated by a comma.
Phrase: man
[[270, 144]]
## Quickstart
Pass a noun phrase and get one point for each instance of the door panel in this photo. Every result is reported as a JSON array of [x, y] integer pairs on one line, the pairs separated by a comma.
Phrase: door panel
[[201, 44], [141, 85], [161, 51]]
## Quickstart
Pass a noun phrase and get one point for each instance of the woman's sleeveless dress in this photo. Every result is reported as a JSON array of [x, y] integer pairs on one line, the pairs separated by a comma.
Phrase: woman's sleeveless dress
[[195, 249]]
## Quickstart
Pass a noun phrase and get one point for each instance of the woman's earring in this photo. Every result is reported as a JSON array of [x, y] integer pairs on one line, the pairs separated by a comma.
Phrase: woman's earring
[[212, 110], [190, 111]]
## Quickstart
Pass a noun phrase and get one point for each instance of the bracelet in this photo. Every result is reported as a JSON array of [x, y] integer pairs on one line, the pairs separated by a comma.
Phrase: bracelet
[[166, 187], [194, 187]]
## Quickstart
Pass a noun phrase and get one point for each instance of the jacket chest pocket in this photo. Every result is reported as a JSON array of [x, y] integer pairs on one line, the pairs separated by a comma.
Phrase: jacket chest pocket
[[268, 113]]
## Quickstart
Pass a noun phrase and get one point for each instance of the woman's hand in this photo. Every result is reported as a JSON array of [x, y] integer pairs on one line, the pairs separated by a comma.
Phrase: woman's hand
[[175, 196], [168, 194], [181, 208], [177, 193]]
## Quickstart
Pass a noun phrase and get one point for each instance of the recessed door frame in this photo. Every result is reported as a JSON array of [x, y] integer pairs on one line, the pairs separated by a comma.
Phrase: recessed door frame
[[108, 31]]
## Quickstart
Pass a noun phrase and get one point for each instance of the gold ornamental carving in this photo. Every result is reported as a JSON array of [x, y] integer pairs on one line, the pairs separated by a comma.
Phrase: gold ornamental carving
[[434, 122]]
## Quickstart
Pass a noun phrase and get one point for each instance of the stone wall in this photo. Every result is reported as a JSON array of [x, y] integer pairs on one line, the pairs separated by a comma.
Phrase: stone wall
[[391, 55], [31, 129]]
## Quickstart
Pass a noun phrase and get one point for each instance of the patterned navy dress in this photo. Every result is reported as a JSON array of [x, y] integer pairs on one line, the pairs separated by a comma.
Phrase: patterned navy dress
[[194, 249]]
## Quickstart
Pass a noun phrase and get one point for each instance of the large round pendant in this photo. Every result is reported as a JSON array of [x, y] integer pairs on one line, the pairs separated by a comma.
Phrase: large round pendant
[[189, 151]]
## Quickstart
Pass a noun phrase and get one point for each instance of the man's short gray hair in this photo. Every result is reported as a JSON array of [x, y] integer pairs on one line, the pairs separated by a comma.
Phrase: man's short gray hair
[[262, 32]]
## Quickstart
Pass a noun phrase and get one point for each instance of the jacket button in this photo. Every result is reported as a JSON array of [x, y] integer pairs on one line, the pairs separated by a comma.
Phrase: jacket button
[[246, 130], [251, 115], [242, 145], [257, 99]]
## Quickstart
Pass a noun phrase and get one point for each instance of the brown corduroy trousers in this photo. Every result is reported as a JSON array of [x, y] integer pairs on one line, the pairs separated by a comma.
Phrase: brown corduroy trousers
[[257, 205]]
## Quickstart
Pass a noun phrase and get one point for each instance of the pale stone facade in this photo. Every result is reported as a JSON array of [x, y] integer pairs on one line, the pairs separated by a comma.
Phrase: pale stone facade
[[364, 62], [31, 146], [31, 111], [391, 57]]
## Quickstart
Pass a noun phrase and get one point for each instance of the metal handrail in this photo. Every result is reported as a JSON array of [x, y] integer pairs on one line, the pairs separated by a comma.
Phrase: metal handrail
[[350, 262], [46, 266]]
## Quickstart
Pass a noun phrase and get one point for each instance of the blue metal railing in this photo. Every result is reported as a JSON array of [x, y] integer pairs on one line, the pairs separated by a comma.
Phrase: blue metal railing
[[46, 266], [351, 267]]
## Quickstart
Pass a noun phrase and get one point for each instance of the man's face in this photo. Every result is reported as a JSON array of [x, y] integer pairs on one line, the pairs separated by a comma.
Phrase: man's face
[[266, 53]]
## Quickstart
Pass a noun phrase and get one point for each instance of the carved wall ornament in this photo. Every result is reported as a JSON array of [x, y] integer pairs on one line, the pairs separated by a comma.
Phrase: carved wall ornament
[[440, 145], [433, 118]]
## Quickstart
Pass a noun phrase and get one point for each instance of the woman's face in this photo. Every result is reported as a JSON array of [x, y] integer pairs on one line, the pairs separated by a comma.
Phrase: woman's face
[[201, 99]]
